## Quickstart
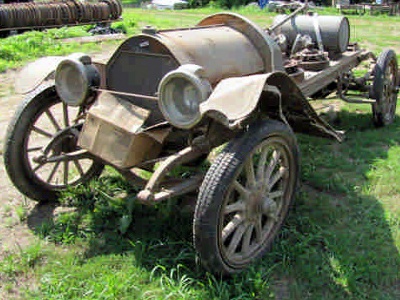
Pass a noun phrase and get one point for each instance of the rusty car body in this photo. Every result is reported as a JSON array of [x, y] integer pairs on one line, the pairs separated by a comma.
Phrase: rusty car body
[[168, 98]]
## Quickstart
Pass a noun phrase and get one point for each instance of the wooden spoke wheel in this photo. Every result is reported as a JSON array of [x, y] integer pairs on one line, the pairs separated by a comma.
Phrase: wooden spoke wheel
[[245, 197], [41, 154], [384, 88]]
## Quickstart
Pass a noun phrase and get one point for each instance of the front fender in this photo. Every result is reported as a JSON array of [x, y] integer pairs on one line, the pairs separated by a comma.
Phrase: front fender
[[43, 69], [33, 74], [233, 99], [274, 94]]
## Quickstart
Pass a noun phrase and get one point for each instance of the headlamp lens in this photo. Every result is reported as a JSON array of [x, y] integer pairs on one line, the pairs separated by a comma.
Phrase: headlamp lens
[[181, 93], [73, 79], [71, 82]]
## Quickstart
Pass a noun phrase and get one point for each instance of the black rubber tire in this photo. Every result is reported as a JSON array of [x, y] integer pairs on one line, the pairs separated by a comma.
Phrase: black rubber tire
[[217, 187], [383, 89], [16, 158]]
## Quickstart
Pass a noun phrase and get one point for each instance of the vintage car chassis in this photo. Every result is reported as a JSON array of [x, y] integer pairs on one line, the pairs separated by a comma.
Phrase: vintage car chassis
[[168, 98]]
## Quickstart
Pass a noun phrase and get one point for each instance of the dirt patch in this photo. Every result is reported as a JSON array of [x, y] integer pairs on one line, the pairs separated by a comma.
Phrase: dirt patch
[[12, 232]]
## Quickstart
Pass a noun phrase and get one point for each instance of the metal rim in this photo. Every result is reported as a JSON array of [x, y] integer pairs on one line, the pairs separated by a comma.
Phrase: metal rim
[[256, 203]]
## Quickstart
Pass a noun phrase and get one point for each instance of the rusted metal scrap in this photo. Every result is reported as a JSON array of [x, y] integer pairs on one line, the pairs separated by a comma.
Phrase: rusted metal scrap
[[37, 15]]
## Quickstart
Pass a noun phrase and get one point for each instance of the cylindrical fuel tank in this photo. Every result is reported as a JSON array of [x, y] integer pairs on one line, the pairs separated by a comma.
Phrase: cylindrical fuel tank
[[335, 30], [224, 45], [221, 50]]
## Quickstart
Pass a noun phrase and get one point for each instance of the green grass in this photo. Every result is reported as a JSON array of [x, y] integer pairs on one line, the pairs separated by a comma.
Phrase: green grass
[[341, 240], [18, 49]]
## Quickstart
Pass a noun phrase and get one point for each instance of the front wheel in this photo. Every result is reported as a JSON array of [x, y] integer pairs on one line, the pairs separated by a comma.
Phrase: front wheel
[[41, 155], [245, 197]]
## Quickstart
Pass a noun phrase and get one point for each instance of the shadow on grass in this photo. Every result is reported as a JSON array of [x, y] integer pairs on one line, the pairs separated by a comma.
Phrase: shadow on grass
[[337, 243], [106, 218]]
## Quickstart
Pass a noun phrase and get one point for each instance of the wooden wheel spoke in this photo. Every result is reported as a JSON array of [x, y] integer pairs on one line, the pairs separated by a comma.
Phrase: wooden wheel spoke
[[277, 176], [238, 206], [258, 229], [78, 167], [237, 237], [42, 132], [53, 120], [66, 170], [243, 192], [65, 115], [275, 194], [231, 226], [249, 171], [33, 149], [272, 164], [261, 164], [247, 238], [38, 167], [53, 172]]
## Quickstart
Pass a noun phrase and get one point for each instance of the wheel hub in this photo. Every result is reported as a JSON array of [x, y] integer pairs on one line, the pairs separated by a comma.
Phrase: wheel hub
[[64, 144], [64, 141], [258, 204], [255, 205]]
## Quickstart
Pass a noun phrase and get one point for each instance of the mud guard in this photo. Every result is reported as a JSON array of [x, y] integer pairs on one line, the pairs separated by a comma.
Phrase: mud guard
[[43, 69], [33, 74], [275, 94]]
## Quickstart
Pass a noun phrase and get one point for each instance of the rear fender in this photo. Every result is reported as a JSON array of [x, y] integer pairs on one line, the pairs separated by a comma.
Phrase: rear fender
[[234, 100]]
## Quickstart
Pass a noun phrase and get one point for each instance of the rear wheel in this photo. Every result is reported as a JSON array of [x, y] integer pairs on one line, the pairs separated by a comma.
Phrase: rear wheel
[[384, 88], [41, 154], [245, 197]]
